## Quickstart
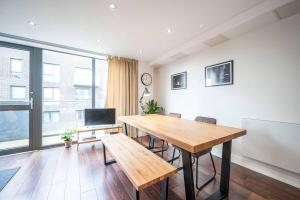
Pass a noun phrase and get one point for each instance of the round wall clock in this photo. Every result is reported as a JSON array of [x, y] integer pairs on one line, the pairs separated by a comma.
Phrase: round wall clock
[[146, 79]]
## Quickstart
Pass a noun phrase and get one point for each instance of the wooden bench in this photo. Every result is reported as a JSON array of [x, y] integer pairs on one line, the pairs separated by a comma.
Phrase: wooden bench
[[142, 167]]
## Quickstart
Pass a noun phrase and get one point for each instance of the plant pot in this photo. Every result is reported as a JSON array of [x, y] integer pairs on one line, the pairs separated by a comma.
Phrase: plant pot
[[68, 144]]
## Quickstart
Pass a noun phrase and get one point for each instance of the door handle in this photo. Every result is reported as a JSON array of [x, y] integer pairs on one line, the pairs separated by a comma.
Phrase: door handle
[[31, 103], [31, 100]]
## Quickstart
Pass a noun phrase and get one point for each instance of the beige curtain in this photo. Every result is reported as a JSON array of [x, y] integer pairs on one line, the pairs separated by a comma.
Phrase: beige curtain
[[122, 87]]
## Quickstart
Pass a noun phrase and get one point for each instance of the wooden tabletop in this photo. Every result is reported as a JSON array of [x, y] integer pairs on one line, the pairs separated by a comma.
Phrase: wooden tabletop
[[189, 135], [141, 166]]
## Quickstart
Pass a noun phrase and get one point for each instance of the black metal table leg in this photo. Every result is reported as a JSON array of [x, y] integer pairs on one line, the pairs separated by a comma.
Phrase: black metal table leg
[[104, 156], [136, 194], [225, 173], [165, 186], [188, 175], [126, 131]]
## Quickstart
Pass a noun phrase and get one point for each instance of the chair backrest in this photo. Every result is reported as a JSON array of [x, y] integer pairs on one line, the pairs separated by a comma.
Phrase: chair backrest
[[177, 115], [206, 120]]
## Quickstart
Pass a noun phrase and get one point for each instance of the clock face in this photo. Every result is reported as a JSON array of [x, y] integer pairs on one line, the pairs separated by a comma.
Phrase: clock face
[[146, 79]]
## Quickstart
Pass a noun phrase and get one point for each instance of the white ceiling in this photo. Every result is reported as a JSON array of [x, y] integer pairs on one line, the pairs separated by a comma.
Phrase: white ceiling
[[135, 25]]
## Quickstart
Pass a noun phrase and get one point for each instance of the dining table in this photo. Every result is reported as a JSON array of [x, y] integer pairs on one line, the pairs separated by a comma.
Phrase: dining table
[[190, 137]]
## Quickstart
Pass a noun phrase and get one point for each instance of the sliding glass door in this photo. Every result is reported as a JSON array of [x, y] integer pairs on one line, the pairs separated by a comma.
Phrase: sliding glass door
[[16, 98], [43, 93]]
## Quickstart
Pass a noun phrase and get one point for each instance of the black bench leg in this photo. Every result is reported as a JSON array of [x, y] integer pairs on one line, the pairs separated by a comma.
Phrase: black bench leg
[[104, 156], [136, 194], [165, 186]]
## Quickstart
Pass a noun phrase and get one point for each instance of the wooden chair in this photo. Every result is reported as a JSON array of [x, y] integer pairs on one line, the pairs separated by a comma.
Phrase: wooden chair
[[199, 154]]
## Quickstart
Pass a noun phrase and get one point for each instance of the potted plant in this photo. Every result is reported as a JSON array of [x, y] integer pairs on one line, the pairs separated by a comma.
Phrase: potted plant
[[67, 137], [153, 108]]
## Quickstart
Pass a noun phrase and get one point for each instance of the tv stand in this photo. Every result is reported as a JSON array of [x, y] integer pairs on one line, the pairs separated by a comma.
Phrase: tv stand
[[112, 127]]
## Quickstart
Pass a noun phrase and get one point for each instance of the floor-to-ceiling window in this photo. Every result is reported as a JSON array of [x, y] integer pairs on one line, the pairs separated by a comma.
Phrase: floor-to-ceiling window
[[68, 90], [45, 92]]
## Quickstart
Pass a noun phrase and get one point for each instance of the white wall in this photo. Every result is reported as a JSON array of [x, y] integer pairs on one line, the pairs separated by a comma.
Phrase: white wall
[[266, 85]]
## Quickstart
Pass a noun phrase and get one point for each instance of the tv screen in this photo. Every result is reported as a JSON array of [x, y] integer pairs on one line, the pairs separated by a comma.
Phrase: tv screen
[[105, 116]]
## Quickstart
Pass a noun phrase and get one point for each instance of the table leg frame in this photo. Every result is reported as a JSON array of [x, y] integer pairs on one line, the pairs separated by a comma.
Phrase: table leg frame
[[188, 175], [225, 173]]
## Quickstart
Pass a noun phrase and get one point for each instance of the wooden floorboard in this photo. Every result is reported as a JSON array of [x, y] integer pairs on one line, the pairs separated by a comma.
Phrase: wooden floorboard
[[60, 173]]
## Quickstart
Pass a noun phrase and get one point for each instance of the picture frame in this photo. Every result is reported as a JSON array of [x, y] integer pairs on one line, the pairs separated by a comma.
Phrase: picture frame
[[179, 81], [219, 74]]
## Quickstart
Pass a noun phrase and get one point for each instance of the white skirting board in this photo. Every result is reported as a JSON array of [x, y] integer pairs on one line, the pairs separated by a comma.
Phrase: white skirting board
[[265, 169]]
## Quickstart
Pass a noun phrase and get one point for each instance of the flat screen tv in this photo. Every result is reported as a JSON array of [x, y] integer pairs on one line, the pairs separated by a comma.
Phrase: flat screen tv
[[105, 116]]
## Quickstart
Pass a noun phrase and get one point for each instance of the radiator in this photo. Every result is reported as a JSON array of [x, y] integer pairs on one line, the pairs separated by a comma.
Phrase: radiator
[[271, 142]]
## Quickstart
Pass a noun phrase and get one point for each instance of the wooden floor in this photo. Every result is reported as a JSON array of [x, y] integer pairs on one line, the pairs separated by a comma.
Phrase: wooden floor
[[60, 173]]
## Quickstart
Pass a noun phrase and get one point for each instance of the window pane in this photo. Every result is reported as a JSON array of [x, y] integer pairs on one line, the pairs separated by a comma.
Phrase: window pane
[[14, 129], [80, 115], [83, 77], [46, 117], [51, 72], [14, 71], [48, 93], [72, 93], [18, 92], [55, 116], [16, 65], [101, 82], [82, 93]]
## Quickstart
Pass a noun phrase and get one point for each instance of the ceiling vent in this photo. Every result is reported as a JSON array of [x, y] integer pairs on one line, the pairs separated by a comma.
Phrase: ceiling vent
[[178, 55], [216, 40], [288, 10]]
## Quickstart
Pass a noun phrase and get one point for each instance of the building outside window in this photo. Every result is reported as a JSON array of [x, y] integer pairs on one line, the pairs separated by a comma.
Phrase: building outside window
[[82, 76], [51, 96], [51, 116], [82, 93], [16, 67], [79, 115], [18, 92], [51, 72]]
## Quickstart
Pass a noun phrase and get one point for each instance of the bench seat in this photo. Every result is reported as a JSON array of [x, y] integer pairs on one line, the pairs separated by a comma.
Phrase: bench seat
[[141, 166]]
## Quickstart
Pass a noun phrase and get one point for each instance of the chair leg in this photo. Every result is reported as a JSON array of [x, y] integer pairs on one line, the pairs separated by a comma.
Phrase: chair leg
[[173, 155], [209, 180], [213, 163], [162, 149]]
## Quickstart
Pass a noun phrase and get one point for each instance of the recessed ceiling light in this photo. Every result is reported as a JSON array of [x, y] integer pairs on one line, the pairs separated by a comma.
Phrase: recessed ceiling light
[[31, 23], [169, 30], [98, 41], [112, 6]]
